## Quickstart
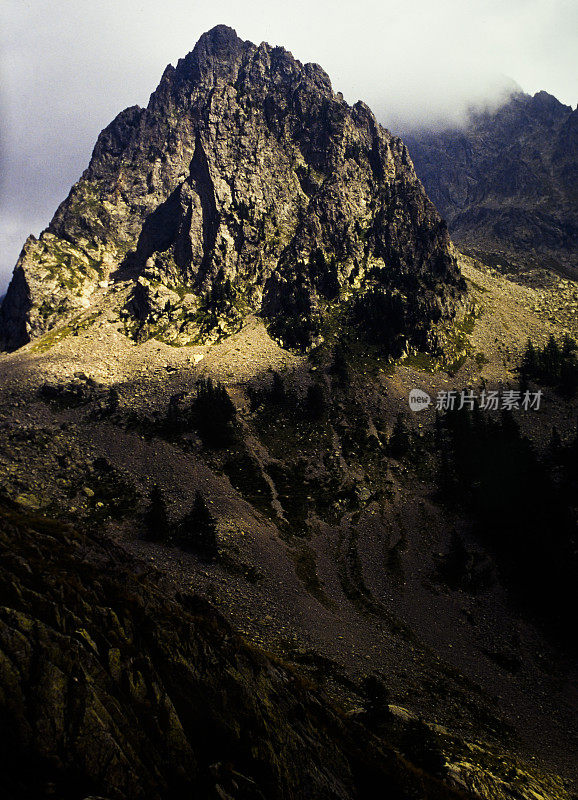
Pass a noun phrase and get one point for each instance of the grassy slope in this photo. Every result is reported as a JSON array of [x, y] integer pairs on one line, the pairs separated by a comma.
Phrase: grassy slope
[[354, 594]]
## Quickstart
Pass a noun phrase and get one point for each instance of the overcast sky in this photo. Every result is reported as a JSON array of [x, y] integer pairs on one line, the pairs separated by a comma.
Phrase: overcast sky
[[69, 66]]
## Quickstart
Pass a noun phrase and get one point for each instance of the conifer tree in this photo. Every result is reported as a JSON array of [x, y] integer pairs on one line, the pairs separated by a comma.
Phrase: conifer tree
[[156, 521], [568, 346], [399, 441], [530, 361], [551, 361], [214, 413], [198, 530]]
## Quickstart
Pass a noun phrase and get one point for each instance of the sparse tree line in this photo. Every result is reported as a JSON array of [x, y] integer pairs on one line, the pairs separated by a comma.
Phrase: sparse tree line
[[523, 506], [212, 414], [196, 531], [555, 364], [314, 404]]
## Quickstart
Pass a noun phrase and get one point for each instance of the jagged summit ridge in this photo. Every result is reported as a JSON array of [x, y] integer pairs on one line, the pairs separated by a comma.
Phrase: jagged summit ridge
[[246, 184], [506, 181]]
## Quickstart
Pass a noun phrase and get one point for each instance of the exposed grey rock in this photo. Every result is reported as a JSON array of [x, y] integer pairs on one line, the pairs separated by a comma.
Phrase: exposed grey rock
[[111, 687], [506, 182], [246, 182]]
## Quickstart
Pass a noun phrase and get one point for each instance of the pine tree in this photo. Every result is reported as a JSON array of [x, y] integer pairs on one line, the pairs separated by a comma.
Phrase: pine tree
[[555, 365], [198, 530], [323, 275], [340, 367], [315, 402], [551, 361], [214, 414], [399, 441], [174, 418], [156, 521], [568, 346], [530, 361]]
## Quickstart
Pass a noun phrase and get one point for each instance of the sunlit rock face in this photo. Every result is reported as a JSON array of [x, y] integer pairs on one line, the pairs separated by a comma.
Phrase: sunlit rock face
[[246, 185]]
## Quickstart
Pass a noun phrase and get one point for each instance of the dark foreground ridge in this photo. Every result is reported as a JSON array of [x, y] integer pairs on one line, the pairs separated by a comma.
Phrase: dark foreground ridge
[[110, 686]]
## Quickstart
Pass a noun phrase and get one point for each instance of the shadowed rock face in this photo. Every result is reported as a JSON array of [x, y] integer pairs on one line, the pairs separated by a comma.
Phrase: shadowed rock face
[[246, 184], [507, 181], [110, 687]]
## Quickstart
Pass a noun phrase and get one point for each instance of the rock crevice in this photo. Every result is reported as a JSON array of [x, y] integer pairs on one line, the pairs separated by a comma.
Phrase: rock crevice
[[243, 171]]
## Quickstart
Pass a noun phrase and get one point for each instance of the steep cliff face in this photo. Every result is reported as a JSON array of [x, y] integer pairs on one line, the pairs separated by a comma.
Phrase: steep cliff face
[[245, 185], [507, 181]]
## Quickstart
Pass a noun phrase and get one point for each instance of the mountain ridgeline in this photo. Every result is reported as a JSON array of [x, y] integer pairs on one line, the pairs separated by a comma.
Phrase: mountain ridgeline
[[246, 185], [234, 564], [506, 182]]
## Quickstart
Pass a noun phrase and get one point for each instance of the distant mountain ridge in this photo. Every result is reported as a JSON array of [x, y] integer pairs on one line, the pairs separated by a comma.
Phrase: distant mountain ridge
[[507, 181]]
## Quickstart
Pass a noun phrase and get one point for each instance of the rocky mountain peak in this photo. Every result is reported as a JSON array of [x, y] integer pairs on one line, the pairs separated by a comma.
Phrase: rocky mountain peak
[[506, 182], [216, 56], [221, 40], [547, 102], [245, 186]]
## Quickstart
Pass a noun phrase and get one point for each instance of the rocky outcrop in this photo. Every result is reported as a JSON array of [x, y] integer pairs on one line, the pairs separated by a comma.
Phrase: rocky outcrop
[[506, 182], [246, 184], [110, 687]]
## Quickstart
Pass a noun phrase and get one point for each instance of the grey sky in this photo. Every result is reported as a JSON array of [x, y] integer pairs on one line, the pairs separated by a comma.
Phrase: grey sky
[[69, 66]]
